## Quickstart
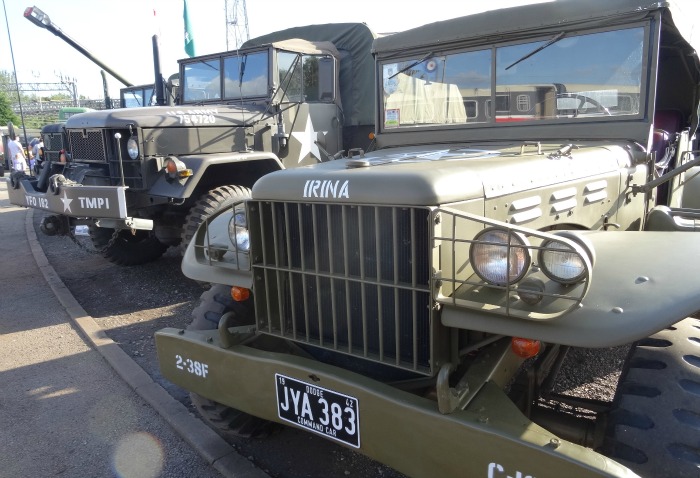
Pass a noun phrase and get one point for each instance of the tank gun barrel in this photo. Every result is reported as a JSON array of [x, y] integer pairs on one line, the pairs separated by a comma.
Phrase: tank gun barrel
[[41, 19]]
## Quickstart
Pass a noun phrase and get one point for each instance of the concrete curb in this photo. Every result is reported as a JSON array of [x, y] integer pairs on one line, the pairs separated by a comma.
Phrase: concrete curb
[[214, 449]]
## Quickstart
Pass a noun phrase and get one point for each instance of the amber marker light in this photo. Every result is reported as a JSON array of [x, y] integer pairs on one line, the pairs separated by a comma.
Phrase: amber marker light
[[371, 135], [240, 294], [176, 168], [525, 348]]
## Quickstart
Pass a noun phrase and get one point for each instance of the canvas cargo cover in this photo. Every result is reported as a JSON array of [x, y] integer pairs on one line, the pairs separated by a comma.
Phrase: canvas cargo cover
[[354, 42], [538, 19]]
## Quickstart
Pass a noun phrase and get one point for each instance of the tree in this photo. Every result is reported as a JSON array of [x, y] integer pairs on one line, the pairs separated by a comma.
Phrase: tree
[[7, 82], [6, 113]]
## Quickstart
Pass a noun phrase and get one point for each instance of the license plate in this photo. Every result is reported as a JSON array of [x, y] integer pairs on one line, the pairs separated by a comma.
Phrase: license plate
[[328, 413]]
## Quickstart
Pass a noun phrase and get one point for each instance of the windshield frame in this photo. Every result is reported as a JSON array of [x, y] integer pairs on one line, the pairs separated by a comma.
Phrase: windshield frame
[[649, 39]]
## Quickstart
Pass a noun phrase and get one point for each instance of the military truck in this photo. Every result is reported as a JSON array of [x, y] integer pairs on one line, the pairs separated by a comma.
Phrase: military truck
[[143, 179], [532, 191]]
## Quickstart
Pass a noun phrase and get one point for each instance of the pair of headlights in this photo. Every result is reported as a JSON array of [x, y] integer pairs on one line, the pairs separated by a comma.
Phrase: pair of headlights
[[501, 257]]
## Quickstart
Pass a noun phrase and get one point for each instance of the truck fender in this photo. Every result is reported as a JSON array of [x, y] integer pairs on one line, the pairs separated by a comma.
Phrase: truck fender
[[241, 168], [641, 282], [196, 266]]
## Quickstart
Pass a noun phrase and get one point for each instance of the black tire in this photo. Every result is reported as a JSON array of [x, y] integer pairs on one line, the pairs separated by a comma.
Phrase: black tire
[[206, 206], [214, 303], [127, 249], [654, 425]]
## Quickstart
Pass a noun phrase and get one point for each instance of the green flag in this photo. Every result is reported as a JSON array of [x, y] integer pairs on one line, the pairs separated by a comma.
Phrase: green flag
[[189, 39]]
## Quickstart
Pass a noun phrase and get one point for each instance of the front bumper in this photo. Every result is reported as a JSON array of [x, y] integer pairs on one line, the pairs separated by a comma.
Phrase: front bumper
[[73, 200], [489, 438]]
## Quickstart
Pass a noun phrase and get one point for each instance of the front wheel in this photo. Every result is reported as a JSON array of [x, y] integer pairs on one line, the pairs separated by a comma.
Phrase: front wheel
[[125, 248], [213, 304], [654, 425]]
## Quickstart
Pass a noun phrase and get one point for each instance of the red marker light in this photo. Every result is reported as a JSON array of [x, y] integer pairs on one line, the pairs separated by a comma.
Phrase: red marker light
[[240, 294]]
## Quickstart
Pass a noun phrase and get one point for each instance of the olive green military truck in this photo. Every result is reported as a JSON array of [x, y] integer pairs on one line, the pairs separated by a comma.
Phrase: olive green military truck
[[143, 179], [533, 190]]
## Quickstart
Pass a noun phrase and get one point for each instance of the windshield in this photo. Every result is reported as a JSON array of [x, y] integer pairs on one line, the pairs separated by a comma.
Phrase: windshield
[[240, 75], [246, 75], [562, 78], [137, 98]]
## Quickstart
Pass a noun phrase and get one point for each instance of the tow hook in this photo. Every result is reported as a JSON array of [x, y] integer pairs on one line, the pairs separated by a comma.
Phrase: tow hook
[[54, 225]]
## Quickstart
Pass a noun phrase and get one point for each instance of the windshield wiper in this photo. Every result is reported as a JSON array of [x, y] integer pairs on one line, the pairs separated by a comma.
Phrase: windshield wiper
[[429, 55], [241, 70], [558, 37]]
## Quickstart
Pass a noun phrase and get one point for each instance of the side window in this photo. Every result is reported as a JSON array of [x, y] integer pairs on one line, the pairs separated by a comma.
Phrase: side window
[[318, 78], [326, 79], [290, 76], [306, 77], [472, 108], [310, 72]]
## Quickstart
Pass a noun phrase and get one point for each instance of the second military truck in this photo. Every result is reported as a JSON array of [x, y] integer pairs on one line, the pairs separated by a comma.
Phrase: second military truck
[[143, 179], [534, 189]]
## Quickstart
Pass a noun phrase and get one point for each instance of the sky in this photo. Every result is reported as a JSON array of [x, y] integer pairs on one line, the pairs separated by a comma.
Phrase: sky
[[120, 33]]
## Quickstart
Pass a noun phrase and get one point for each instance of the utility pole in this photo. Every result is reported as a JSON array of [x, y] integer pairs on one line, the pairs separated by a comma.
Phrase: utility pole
[[236, 24], [12, 54]]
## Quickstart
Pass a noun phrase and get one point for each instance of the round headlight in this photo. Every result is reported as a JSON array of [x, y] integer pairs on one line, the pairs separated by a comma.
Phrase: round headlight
[[132, 147], [500, 256], [238, 231], [561, 262]]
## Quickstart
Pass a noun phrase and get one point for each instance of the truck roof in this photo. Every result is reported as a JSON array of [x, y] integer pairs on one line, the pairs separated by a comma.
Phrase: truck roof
[[304, 46], [354, 42], [538, 19]]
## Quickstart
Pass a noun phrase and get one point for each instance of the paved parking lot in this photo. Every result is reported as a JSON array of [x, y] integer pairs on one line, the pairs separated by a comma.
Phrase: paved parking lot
[[71, 401]]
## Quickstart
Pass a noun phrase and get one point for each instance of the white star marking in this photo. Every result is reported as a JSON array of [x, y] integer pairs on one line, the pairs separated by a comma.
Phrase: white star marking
[[66, 202], [307, 140]]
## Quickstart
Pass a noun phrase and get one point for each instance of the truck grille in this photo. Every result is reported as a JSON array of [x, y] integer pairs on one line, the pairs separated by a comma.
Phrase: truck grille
[[53, 144], [87, 145], [100, 146], [53, 141], [352, 279]]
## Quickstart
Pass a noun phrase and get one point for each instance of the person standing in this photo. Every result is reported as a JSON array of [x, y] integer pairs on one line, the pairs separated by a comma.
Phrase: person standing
[[37, 155], [16, 151]]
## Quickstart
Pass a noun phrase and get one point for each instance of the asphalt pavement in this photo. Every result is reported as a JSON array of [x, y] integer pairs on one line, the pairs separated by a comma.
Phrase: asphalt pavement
[[72, 402]]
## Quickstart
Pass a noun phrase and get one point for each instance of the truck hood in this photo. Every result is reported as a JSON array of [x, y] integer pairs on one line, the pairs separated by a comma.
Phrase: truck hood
[[170, 116], [437, 175]]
